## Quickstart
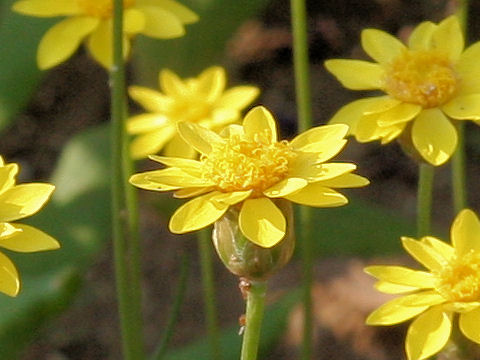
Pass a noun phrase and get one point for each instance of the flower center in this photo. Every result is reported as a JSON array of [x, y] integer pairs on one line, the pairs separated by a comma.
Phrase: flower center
[[101, 8], [459, 281], [423, 77], [240, 164]]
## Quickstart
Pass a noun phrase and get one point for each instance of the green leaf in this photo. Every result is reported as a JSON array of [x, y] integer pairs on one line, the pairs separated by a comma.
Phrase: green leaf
[[78, 216], [201, 47]]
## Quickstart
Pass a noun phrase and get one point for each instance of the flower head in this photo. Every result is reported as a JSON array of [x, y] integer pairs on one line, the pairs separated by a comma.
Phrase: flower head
[[247, 167], [202, 100], [426, 83], [91, 20], [451, 285], [18, 202]]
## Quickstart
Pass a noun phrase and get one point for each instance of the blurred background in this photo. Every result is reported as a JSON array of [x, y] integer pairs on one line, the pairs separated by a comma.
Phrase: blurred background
[[55, 125]]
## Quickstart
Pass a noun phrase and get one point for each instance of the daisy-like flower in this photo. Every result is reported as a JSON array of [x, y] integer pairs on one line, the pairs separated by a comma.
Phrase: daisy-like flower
[[247, 167], [18, 202], [450, 286], [202, 100], [91, 20], [427, 82]]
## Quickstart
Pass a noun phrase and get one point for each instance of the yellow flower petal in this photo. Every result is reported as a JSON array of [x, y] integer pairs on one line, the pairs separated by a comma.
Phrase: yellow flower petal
[[470, 325], [381, 104], [182, 12], [7, 176], [367, 128], [9, 279], [100, 44], [219, 118], [160, 23], [441, 247], [143, 181], [448, 37], [285, 187], [468, 69], [381, 46], [238, 97], [151, 143], [428, 334], [262, 222], [260, 121], [176, 177], [23, 200], [320, 172], [177, 147], [133, 21], [423, 253], [231, 198], [356, 74], [351, 113], [188, 165], [171, 84], [402, 276], [211, 83], [146, 123], [461, 307], [463, 107], [421, 36], [200, 138], [401, 113], [320, 139], [196, 214], [425, 298], [394, 312], [47, 8], [7, 230], [29, 239], [191, 192], [315, 194], [62, 39], [434, 136], [465, 232], [391, 288], [150, 100], [346, 181]]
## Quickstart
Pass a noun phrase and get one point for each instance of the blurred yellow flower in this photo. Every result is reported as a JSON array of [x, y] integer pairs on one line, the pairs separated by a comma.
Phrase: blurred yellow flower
[[202, 100], [427, 82], [91, 20], [18, 202], [451, 285], [247, 167]]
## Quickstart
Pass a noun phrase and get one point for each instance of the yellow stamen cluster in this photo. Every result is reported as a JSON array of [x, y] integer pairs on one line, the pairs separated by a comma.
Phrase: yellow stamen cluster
[[423, 77], [101, 8], [459, 281], [239, 164]]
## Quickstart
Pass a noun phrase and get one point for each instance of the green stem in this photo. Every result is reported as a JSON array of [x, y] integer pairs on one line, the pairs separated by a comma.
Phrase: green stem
[[206, 264], [124, 208], [459, 186], [175, 311], [254, 316], [424, 199], [304, 109]]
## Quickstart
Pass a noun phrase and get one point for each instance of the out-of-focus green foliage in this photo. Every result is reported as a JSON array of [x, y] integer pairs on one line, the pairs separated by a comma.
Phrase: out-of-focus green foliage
[[19, 76], [78, 216], [202, 46]]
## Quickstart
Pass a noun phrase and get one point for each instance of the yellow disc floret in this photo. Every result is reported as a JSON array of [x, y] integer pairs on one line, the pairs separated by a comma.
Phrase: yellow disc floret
[[101, 8], [240, 164], [459, 281], [423, 77]]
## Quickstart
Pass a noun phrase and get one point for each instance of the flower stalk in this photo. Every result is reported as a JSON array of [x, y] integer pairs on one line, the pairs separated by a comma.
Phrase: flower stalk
[[124, 208], [209, 293], [303, 99], [254, 316], [424, 198]]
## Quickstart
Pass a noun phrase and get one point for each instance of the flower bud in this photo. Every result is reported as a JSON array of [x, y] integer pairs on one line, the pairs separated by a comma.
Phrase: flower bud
[[246, 259]]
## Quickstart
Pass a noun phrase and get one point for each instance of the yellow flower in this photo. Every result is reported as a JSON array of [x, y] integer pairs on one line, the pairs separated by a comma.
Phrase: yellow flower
[[18, 202], [427, 82], [202, 100], [91, 20], [247, 167], [451, 285]]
